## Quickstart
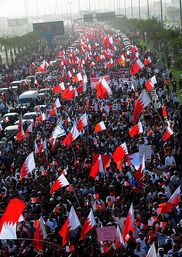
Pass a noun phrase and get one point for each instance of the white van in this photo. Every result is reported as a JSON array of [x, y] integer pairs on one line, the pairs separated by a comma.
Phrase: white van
[[28, 97], [29, 115], [11, 131]]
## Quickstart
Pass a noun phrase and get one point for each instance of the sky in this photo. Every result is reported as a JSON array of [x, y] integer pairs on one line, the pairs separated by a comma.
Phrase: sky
[[17, 8]]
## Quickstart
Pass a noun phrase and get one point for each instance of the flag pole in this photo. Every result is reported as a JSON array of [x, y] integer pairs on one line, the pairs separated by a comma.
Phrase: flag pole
[[39, 240], [76, 197]]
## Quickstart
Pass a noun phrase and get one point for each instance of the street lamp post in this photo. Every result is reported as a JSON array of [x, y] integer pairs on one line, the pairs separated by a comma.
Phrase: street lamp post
[[161, 11], [148, 11], [139, 9], [125, 7], [132, 9], [180, 7]]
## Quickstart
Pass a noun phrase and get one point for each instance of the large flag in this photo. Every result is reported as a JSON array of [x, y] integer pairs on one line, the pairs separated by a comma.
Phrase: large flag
[[119, 154], [106, 160], [88, 225], [71, 136], [103, 89], [39, 235], [100, 127], [167, 134], [69, 93], [136, 67], [10, 218], [97, 168], [171, 203], [28, 166], [129, 223], [70, 224], [149, 84], [59, 183], [136, 130], [82, 122], [152, 251], [142, 102]]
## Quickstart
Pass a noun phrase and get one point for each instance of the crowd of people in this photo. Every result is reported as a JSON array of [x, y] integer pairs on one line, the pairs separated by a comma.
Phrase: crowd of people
[[111, 193]]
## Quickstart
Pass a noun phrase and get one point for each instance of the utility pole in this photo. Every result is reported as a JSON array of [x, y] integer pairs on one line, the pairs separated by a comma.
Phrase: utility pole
[[125, 7], [148, 11], [161, 11], [132, 9], [79, 6], [180, 8], [89, 3], [139, 9]]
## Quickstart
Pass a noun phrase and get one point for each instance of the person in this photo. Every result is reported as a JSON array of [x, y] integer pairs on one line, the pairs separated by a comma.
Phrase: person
[[139, 251]]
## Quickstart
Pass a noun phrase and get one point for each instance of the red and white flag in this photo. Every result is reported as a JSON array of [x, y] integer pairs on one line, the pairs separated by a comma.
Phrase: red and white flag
[[103, 89], [119, 154], [30, 128], [142, 102], [71, 136], [99, 127], [136, 67], [171, 203], [82, 122], [70, 224], [167, 134], [129, 223], [42, 147], [147, 61], [21, 134], [10, 218], [28, 166], [70, 248], [139, 172], [164, 111], [57, 103], [121, 60], [150, 83], [69, 93], [118, 239], [59, 183], [39, 234], [58, 88], [88, 225], [152, 251], [97, 168], [175, 197], [136, 130], [41, 117], [78, 77]]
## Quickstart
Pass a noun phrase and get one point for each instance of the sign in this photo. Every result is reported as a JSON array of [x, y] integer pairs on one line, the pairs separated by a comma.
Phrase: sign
[[106, 233], [94, 81], [88, 17], [145, 150], [49, 28], [105, 16]]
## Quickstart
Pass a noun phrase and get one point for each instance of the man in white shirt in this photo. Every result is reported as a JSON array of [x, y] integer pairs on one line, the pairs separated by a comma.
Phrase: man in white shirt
[[169, 160], [138, 251]]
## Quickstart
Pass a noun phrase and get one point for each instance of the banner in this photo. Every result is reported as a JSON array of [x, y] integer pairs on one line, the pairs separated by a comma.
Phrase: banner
[[145, 150], [106, 233], [94, 81]]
